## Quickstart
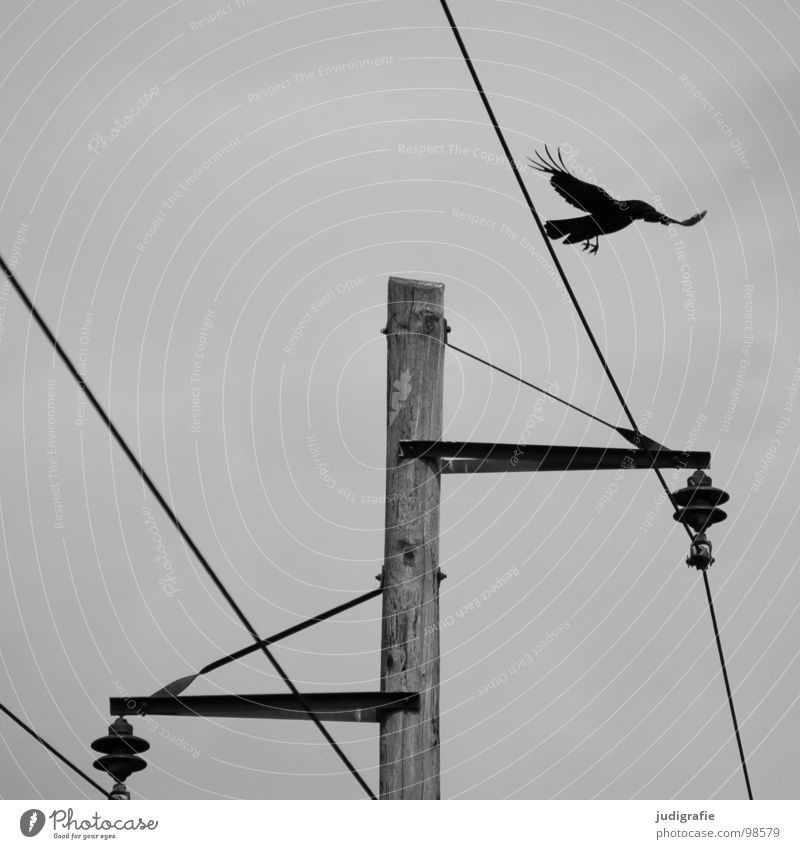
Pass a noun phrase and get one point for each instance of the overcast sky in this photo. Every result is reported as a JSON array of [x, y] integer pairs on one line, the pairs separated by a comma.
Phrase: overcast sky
[[207, 202]]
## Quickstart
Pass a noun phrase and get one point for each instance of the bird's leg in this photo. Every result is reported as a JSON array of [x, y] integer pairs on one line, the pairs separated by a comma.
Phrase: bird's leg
[[596, 246]]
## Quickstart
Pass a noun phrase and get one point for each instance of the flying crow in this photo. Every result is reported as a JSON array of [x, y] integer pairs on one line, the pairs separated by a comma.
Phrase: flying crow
[[606, 214]]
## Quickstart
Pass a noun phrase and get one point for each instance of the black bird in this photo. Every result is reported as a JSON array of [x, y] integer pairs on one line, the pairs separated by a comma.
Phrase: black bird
[[606, 214]]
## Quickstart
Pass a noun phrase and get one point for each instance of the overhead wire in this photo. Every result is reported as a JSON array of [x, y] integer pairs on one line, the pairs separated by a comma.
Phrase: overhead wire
[[601, 357], [535, 214], [727, 682], [185, 535], [54, 751]]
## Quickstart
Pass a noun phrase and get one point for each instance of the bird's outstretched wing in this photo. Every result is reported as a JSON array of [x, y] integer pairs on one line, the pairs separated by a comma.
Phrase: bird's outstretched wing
[[688, 222], [586, 196]]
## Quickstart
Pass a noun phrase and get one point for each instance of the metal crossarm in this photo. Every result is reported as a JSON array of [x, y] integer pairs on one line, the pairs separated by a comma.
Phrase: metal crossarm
[[331, 707], [471, 457]]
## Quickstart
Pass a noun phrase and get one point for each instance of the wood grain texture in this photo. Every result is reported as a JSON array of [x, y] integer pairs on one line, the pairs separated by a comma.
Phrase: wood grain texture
[[409, 742]]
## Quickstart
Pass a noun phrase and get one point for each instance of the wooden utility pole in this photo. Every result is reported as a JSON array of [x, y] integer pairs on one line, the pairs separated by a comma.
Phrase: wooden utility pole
[[409, 741]]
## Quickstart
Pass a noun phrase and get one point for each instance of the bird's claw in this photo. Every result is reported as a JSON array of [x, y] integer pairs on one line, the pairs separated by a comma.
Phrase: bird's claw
[[591, 248]]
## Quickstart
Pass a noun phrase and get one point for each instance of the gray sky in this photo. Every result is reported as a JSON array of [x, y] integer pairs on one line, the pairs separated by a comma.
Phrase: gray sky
[[266, 158]]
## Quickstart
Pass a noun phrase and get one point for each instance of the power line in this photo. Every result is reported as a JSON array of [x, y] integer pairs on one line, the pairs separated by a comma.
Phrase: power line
[[598, 351], [535, 214], [54, 751], [727, 682], [185, 535]]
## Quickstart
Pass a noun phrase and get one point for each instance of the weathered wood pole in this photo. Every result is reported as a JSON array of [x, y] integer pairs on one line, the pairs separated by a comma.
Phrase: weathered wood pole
[[409, 741]]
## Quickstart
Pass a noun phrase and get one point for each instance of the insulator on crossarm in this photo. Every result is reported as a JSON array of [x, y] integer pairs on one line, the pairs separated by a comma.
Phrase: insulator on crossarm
[[698, 503], [121, 755], [698, 507]]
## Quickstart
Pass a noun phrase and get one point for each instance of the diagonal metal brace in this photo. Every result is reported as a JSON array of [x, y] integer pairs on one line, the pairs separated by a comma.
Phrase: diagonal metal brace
[[174, 688]]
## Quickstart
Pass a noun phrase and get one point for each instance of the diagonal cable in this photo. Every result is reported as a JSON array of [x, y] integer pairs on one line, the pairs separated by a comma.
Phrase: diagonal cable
[[598, 351], [175, 688], [185, 535], [54, 751], [633, 437]]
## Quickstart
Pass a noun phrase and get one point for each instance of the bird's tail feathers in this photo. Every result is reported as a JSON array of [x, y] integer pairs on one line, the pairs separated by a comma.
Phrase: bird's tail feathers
[[555, 229], [688, 222]]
